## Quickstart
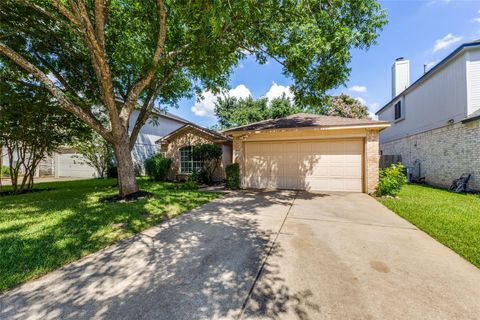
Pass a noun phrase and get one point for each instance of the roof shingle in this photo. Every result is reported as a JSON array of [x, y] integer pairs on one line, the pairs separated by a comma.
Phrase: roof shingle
[[305, 120]]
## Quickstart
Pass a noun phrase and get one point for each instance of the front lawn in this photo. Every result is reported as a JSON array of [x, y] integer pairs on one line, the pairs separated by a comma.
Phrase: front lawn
[[42, 231], [453, 219]]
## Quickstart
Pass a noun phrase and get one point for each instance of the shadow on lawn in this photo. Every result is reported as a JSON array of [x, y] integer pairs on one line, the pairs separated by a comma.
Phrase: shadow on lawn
[[198, 266], [39, 234]]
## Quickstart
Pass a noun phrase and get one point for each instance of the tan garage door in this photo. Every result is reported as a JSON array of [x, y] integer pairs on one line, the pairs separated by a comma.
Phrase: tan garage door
[[329, 165]]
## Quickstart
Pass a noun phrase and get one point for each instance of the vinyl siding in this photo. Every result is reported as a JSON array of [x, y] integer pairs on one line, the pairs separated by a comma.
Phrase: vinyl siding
[[432, 103]]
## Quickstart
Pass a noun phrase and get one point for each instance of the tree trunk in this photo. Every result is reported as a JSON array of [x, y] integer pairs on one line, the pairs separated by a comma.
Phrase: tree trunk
[[127, 184]]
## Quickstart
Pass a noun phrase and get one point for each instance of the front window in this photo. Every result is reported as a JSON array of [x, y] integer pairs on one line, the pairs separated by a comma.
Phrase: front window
[[187, 162]]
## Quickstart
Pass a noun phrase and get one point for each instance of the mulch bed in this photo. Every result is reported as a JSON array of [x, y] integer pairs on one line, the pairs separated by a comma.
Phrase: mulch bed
[[131, 197]]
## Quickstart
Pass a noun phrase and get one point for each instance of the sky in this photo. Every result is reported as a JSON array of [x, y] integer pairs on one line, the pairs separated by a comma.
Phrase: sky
[[423, 32]]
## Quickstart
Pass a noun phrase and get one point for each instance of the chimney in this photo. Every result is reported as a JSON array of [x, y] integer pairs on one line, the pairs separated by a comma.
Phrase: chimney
[[400, 76]]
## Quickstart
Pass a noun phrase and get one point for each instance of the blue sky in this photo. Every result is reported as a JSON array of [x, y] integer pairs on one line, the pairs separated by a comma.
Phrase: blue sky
[[422, 31]]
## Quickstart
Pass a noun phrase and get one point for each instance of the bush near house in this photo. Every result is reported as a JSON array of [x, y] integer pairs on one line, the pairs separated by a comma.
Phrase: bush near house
[[4, 171], [157, 167], [210, 156], [233, 176], [391, 180]]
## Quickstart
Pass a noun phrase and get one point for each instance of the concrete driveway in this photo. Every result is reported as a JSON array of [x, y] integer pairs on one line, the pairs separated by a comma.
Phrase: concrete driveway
[[268, 255]]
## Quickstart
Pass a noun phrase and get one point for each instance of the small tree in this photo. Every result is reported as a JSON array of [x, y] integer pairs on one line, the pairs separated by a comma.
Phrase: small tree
[[345, 106], [96, 152], [209, 155], [31, 127]]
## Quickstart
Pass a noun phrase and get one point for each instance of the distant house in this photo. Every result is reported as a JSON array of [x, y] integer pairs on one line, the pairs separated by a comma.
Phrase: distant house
[[436, 120], [67, 163]]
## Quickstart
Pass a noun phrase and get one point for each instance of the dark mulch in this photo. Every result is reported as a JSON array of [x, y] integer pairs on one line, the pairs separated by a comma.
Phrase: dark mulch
[[11, 193], [131, 197]]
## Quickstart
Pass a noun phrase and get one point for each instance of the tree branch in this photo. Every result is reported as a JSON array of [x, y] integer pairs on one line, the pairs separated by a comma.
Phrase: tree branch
[[57, 75], [65, 12], [99, 62], [147, 107], [62, 99], [100, 22], [143, 81]]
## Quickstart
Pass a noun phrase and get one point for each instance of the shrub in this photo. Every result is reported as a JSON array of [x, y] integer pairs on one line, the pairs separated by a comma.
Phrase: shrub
[[4, 171], [210, 156], [391, 180], [112, 171], [157, 167], [233, 176]]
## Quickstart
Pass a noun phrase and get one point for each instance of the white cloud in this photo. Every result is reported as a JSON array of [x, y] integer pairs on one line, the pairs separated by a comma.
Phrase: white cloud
[[372, 109], [476, 20], [357, 88], [206, 107], [361, 100], [445, 42], [277, 91]]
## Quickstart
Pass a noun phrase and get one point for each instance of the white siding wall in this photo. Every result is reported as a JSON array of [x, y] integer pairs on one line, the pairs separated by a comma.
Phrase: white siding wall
[[473, 76], [153, 130], [439, 98]]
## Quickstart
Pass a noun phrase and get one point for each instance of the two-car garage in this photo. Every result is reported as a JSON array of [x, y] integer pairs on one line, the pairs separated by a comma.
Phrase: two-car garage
[[309, 152], [322, 165]]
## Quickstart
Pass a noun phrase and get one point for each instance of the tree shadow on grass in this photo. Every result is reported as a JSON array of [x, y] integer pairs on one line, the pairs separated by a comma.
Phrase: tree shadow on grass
[[198, 266]]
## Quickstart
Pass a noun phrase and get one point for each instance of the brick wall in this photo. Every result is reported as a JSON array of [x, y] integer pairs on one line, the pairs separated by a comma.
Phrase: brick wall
[[189, 138], [372, 158], [444, 153]]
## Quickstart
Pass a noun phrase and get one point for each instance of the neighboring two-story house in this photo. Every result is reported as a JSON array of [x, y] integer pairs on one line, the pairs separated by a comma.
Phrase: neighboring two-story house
[[67, 163], [435, 121]]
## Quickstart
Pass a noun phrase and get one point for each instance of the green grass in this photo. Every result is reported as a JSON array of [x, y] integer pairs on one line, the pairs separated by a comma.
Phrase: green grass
[[42, 231], [453, 219]]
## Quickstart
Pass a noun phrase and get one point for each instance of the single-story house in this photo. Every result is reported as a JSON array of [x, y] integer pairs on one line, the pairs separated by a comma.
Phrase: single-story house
[[309, 152], [178, 146]]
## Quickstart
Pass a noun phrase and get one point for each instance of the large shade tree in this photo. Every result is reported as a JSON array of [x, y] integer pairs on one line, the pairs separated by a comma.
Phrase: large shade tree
[[112, 56]]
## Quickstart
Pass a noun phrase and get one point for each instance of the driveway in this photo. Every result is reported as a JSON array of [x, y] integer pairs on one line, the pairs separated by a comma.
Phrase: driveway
[[267, 255]]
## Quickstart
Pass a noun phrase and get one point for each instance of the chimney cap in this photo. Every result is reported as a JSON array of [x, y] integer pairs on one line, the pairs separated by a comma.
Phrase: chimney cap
[[400, 59]]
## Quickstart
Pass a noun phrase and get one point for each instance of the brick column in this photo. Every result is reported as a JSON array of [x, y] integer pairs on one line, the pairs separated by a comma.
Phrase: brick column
[[372, 158]]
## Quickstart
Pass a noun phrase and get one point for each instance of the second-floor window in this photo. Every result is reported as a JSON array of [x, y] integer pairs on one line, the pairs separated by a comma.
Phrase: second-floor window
[[398, 110]]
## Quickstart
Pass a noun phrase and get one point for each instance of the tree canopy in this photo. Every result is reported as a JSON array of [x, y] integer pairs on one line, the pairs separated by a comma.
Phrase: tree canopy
[[32, 127], [110, 57], [345, 106], [233, 112]]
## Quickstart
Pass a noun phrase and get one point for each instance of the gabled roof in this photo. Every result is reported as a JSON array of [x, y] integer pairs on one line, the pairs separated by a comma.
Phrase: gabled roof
[[474, 116], [217, 136], [305, 120], [433, 70], [166, 114], [158, 112]]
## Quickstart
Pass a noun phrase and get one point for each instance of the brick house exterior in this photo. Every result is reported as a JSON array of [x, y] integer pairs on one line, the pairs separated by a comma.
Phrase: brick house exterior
[[192, 135], [338, 135], [444, 153], [436, 120]]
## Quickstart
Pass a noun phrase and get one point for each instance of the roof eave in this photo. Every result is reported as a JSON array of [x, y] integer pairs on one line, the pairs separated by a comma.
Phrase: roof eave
[[379, 126]]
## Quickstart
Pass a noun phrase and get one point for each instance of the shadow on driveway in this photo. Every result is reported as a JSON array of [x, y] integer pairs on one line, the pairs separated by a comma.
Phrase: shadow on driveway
[[201, 265]]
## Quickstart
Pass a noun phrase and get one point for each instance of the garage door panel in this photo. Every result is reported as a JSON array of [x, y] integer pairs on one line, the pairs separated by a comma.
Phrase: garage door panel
[[310, 165]]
